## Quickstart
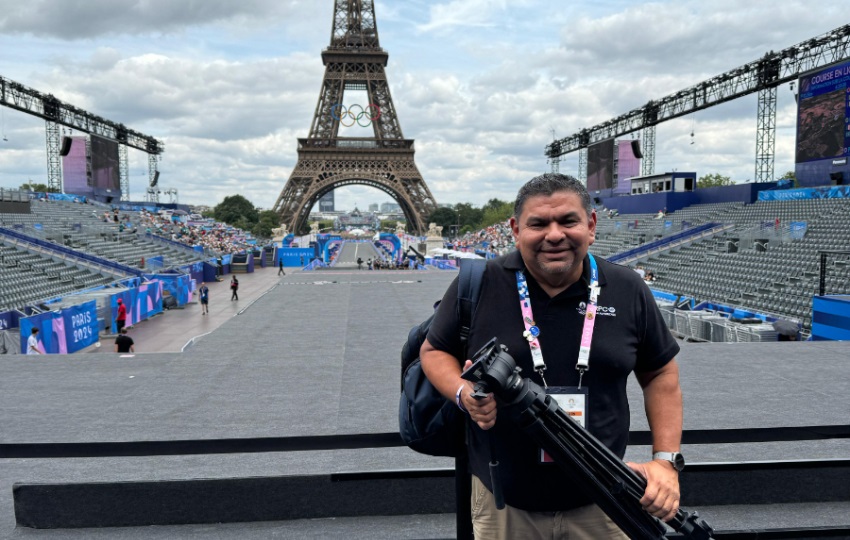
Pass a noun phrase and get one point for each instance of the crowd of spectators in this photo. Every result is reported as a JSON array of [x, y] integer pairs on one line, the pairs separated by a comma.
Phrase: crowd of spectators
[[216, 237], [496, 239]]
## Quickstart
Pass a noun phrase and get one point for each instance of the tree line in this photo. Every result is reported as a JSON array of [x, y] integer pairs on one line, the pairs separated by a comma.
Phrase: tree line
[[466, 217]]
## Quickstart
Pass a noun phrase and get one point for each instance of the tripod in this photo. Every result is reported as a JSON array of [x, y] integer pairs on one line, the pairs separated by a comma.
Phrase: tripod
[[612, 485]]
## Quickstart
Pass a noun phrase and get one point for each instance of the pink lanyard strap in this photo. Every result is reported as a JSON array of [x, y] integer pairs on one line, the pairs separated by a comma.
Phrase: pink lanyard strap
[[532, 331]]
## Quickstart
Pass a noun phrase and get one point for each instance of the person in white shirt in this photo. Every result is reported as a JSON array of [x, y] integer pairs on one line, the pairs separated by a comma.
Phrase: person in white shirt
[[32, 342]]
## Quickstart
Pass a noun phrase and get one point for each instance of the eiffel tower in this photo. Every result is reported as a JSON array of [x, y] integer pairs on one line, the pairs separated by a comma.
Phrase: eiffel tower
[[355, 61]]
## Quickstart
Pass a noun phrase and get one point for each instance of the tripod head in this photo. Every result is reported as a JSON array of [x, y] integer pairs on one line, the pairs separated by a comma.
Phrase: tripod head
[[494, 370]]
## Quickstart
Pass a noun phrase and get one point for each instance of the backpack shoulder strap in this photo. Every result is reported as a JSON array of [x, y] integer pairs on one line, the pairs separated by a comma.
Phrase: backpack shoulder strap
[[468, 292]]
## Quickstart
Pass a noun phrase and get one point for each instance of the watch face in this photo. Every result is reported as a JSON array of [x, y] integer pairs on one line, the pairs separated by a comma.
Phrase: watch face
[[678, 461]]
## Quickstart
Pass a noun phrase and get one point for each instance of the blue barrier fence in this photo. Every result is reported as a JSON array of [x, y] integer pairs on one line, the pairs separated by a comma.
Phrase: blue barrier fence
[[64, 332], [142, 303]]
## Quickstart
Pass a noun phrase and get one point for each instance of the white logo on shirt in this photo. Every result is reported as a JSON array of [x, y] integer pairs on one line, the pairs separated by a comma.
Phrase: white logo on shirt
[[602, 311]]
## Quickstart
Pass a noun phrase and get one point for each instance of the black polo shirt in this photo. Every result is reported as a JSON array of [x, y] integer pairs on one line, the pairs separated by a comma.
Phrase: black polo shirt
[[629, 335], [124, 343]]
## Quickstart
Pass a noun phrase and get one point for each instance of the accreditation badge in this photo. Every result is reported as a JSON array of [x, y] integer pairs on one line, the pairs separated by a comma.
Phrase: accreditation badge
[[573, 401]]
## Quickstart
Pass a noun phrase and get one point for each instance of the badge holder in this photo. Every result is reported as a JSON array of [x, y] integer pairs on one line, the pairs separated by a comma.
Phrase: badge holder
[[573, 401]]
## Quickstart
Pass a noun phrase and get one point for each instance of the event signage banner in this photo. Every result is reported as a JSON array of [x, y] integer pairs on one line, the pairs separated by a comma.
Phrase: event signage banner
[[177, 285], [836, 192], [48, 342], [142, 303], [80, 324], [62, 332], [7, 321]]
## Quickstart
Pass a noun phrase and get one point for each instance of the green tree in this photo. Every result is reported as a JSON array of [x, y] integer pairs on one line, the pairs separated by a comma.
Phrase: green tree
[[468, 215], [268, 220], [790, 175], [495, 213], [494, 204], [388, 225], [714, 180], [236, 210], [444, 217], [41, 188]]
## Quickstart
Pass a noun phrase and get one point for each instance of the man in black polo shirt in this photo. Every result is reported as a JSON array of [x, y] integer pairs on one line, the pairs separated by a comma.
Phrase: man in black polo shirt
[[124, 343], [545, 302]]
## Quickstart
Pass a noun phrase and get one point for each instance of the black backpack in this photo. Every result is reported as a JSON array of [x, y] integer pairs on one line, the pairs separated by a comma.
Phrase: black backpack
[[428, 422]]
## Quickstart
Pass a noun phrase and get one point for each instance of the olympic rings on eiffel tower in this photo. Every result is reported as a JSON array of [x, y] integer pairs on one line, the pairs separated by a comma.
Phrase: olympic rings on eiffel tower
[[355, 114]]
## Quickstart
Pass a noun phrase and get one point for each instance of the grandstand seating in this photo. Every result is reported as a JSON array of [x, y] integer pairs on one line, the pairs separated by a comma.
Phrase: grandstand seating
[[81, 227], [771, 269], [780, 280], [31, 278]]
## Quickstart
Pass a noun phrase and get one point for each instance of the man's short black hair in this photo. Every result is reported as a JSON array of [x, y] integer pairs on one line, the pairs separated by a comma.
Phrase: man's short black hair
[[34, 330], [549, 184]]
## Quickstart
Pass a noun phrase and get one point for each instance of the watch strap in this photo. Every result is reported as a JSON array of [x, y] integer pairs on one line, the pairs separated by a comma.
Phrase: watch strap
[[675, 458]]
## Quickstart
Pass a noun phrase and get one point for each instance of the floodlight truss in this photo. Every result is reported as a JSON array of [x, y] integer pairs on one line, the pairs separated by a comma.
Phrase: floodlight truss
[[770, 71], [57, 113], [17, 96]]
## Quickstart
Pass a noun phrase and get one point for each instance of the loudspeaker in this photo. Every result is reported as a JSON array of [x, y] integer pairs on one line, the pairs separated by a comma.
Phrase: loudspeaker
[[837, 178], [155, 180], [66, 146], [636, 149]]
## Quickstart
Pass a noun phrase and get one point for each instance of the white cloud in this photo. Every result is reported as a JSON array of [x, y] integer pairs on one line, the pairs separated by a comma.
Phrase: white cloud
[[478, 83]]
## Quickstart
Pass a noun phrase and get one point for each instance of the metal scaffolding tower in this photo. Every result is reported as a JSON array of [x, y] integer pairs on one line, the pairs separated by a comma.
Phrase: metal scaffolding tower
[[54, 167], [582, 166], [124, 172], [648, 149], [765, 134]]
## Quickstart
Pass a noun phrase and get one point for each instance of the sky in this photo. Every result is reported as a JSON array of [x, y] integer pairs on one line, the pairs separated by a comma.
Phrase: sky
[[481, 85]]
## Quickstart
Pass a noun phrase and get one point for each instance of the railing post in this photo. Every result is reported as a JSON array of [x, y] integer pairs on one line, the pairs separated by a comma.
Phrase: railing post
[[463, 498]]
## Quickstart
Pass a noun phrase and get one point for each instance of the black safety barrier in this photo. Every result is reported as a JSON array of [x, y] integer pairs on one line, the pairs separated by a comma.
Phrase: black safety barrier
[[370, 440]]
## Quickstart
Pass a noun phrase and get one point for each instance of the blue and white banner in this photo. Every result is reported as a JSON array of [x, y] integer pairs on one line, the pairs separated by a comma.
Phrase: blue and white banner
[[142, 303], [80, 324], [8, 320], [67, 331], [836, 192]]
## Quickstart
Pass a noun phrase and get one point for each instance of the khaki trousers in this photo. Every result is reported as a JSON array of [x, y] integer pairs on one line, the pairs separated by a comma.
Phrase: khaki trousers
[[585, 523]]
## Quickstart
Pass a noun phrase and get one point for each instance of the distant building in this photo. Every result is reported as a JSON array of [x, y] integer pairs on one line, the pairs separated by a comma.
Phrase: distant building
[[389, 207], [326, 203], [374, 207]]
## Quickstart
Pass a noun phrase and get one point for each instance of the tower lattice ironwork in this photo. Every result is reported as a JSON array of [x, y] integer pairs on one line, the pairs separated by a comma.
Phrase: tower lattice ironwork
[[355, 61]]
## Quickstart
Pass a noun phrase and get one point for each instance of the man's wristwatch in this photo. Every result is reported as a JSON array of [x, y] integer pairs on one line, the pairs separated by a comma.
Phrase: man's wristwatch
[[677, 459]]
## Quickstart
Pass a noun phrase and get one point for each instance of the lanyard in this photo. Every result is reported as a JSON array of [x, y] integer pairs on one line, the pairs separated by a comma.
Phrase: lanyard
[[532, 332]]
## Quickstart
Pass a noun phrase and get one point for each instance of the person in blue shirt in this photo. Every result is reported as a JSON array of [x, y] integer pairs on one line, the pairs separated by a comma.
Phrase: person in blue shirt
[[204, 293]]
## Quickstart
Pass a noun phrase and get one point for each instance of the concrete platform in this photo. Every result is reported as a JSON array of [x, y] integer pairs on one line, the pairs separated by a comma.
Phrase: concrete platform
[[318, 354]]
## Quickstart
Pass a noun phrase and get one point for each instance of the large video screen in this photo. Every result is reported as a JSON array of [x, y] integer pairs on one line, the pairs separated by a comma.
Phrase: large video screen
[[823, 124], [600, 165], [628, 166], [104, 164], [75, 168]]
